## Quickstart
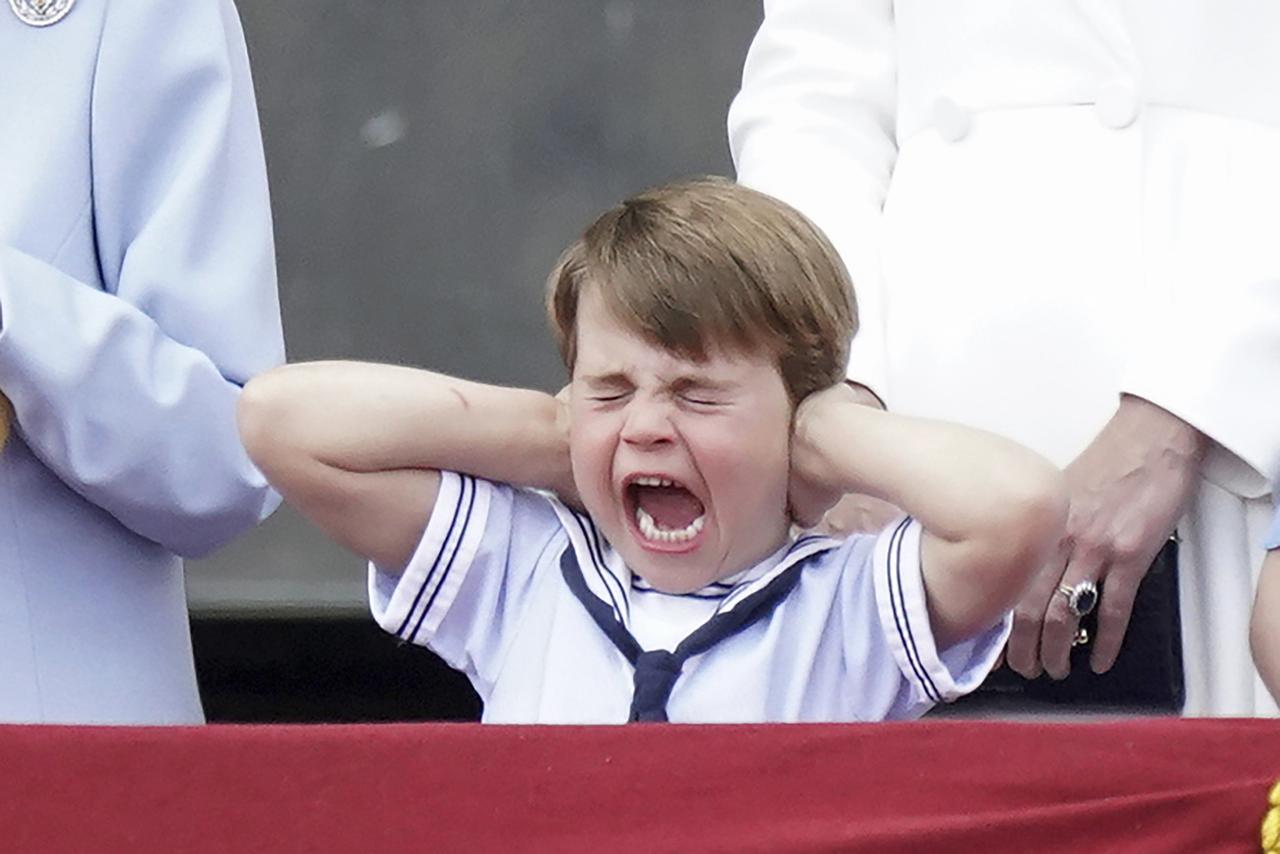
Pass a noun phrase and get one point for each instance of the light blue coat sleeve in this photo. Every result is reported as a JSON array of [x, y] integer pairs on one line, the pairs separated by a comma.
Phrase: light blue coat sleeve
[[127, 391]]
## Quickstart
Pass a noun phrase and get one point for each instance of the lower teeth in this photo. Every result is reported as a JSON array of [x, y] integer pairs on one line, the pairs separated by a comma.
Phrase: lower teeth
[[649, 528]]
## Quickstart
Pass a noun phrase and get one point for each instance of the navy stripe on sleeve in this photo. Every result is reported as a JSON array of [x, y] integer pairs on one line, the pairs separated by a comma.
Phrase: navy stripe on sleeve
[[902, 622], [435, 564], [448, 567], [444, 558]]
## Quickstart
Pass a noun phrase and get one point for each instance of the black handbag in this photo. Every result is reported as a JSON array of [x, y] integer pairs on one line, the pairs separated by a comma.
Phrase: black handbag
[[1148, 671]]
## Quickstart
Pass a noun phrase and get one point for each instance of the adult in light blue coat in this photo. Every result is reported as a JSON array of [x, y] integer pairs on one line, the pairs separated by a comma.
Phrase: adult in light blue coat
[[137, 295]]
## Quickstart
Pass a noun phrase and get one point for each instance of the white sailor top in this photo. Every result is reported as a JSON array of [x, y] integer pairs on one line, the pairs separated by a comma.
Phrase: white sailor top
[[848, 640]]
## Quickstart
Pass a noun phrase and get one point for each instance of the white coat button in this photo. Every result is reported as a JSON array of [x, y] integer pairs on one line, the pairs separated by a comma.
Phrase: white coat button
[[1117, 104], [951, 120]]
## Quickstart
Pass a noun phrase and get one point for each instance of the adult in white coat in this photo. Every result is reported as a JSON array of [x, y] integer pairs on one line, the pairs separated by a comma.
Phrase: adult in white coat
[[137, 293], [1063, 221]]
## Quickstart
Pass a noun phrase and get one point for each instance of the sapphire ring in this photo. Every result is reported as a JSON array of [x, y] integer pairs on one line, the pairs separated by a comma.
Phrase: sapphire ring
[[1082, 598]]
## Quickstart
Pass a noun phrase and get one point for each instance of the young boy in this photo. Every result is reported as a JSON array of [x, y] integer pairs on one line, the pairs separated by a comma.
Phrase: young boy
[[1264, 624], [706, 329]]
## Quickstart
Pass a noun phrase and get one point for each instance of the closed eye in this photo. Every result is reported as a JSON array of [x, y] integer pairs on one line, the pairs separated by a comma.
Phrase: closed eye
[[605, 389], [701, 401]]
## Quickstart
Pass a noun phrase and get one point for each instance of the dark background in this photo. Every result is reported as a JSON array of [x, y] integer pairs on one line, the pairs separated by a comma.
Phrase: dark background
[[429, 160]]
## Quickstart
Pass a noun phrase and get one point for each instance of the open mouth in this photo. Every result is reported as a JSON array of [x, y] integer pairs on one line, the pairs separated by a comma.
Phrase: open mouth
[[664, 511]]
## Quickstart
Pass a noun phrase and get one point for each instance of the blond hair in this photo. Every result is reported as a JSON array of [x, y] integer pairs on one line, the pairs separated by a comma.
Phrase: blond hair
[[709, 264]]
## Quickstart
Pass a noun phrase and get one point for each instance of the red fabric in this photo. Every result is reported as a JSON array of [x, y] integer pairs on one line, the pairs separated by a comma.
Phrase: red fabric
[[1137, 785]]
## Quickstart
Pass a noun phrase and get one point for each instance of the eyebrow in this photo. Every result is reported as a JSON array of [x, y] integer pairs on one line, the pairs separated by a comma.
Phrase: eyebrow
[[614, 378], [686, 382], [683, 382]]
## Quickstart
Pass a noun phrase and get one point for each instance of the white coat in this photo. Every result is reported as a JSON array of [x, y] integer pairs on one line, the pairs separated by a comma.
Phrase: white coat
[[1044, 205], [137, 293]]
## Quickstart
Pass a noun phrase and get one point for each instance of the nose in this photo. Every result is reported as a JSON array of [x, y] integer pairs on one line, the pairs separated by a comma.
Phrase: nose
[[648, 423]]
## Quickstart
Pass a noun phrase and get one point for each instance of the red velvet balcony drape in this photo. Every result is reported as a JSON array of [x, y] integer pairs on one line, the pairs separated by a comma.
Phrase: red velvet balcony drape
[[1135, 785]]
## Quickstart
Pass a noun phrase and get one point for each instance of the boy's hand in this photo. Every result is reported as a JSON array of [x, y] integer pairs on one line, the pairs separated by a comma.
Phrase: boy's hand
[[856, 513], [565, 487], [811, 493]]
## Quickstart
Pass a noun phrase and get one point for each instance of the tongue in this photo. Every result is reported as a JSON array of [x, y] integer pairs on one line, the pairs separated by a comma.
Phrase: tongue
[[672, 507]]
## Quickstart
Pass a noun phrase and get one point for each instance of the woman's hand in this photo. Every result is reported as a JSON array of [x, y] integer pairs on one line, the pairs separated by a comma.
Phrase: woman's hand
[[1127, 491]]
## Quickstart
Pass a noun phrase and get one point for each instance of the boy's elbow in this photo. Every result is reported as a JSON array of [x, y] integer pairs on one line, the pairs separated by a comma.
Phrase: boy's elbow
[[1024, 524], [253, 418], [261, 417], [1039, 517]]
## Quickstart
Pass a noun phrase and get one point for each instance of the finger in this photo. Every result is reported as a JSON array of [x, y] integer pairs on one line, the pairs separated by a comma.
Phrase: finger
[[858, 514], [1060, 622], [1113, 613], [806, 509], [879, 514], [802, 517], [1023, 648], [1022, 652]]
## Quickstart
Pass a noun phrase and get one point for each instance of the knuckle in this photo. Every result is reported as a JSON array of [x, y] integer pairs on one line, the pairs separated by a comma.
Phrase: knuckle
[[1115, 609], [1094, 548], [1026, 619], [1067, 542], [1056, 622], [1127, 548]]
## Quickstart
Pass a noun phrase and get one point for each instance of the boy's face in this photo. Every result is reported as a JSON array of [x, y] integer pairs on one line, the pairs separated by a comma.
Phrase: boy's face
[[683, 465]]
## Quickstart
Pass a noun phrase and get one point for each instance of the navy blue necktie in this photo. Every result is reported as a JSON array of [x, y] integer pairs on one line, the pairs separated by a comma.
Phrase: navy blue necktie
[[657, 670]]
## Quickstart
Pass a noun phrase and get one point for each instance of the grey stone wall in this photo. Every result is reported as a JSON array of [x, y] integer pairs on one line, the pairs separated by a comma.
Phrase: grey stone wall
[[429, 159]]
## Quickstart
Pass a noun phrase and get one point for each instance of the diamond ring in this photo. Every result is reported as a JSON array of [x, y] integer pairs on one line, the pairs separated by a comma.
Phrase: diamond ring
[[1082, 598]]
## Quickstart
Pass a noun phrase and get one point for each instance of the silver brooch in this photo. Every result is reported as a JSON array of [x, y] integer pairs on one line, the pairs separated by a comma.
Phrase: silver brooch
[[41, 13]]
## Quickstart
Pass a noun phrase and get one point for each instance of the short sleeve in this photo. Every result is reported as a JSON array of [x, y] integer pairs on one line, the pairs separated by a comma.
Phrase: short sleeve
[[902, 672], [472, 576]]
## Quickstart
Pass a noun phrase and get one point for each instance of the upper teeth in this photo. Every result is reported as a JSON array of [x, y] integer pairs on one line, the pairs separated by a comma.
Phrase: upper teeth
[[647, 480], [649, 528]]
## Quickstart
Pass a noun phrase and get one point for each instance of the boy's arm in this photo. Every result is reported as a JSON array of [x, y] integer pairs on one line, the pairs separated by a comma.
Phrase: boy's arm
[[992, 510], [357, 447]]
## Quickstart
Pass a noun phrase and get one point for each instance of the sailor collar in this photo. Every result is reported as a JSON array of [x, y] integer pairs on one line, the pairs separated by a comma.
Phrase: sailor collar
[[611, 581]]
